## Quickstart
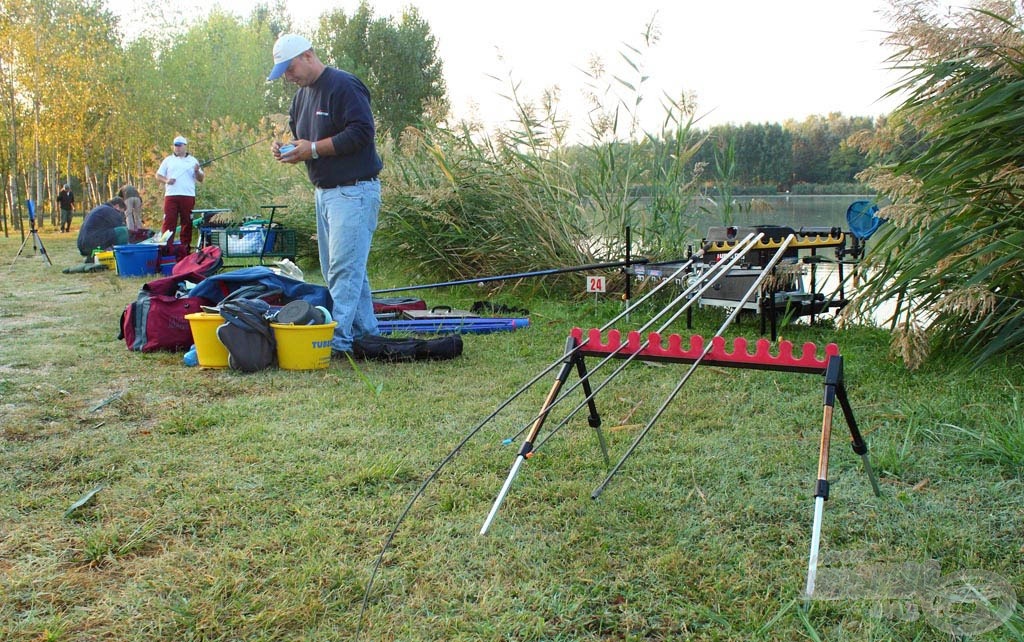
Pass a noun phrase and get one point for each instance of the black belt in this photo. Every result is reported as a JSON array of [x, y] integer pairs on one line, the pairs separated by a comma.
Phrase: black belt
[[348, 183]]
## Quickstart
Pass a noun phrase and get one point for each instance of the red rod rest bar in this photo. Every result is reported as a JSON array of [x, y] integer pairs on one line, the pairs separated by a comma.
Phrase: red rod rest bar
[[592, 344]]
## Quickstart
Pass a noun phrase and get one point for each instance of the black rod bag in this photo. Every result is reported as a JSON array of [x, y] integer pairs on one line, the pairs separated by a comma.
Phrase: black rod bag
[[408, 348]]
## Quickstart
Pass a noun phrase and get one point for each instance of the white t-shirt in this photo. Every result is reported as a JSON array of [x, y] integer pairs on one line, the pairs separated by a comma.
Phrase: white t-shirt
[[182, 170]]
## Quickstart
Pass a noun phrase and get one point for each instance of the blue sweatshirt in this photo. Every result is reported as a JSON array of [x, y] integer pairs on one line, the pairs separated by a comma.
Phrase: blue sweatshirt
[[337, 105]]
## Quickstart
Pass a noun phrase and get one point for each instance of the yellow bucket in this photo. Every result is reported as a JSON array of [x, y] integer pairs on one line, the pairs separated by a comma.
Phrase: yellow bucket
[[210, 352], [107, 259], [303, 347]]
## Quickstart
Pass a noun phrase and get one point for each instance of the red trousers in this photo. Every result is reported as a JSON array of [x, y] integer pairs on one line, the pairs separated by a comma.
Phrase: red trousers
[[178, 211]]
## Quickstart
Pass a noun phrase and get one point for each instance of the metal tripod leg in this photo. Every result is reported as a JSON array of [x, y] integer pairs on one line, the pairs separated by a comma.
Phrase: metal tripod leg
[[856, 440], [594, 420], [36, 243], [42, 248], [526, 451]]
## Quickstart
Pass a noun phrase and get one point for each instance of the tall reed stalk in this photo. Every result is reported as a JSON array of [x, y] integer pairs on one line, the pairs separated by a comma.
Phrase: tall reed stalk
[[461, 204]]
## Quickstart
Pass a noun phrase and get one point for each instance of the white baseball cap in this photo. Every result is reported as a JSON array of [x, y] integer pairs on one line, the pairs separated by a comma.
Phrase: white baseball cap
[[287, 47], [180, 140]]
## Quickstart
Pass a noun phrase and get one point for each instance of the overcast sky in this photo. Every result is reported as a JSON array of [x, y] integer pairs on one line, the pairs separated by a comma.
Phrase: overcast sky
[[745, 60]]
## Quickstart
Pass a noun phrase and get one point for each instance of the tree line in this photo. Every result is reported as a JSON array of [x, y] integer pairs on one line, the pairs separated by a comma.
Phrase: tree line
[[781, 157], [83, 104]]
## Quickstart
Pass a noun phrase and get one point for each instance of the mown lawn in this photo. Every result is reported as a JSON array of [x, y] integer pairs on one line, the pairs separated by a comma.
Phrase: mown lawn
[[253, 507]]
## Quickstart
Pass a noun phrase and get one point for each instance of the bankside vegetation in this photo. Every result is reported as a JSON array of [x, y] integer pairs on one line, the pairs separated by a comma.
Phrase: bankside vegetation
[[952, 255], [460, 202], [96, 106]]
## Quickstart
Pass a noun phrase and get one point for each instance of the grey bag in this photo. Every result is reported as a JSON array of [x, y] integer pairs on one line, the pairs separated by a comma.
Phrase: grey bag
[[247, 334]]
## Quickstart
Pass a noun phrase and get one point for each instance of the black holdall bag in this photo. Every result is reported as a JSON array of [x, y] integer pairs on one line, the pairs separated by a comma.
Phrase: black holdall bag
[[247, 334], [407, 349]]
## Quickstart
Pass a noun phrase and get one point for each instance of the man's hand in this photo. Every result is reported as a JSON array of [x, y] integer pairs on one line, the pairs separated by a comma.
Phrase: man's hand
[[294, 152]]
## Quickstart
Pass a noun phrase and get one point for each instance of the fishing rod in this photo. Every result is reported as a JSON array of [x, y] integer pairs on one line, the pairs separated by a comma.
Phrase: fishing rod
[[520, 275], [554, 397], [562, 359], [693, 367], [235, 151], [709, 278], [474, 431]]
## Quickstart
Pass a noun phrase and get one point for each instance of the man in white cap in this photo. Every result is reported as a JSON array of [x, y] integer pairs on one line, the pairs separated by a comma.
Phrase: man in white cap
[[333, 130], [179, 173]]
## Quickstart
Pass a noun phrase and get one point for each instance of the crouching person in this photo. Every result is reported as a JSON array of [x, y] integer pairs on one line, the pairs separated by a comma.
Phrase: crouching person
[[104, 227]]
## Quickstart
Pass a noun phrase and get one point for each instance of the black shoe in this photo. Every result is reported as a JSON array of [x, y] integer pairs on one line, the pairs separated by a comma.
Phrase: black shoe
[[344, 355]]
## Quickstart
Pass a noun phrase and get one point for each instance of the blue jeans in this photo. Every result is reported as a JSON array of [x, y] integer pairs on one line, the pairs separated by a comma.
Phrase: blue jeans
[[346, 218]]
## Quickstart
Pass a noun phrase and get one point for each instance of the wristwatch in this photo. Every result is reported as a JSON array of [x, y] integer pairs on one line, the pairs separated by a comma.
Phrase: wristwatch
[[312, 151]]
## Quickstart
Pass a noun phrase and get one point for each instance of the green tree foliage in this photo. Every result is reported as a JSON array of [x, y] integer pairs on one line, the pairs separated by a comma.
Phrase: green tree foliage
[[341, 40], [762, 153], [397, 59], [952, 251], [819, 153], [217, 68], [773, 156], [81, 104], [407, 73], [57, 60]]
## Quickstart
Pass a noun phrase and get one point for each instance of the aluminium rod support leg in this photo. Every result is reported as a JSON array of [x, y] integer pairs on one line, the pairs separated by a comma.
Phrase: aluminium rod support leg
[[527, 448], [833, 375]]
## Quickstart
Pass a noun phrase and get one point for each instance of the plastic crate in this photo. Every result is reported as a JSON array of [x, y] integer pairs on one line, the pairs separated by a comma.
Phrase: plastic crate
[[251, 239], [252, 242]]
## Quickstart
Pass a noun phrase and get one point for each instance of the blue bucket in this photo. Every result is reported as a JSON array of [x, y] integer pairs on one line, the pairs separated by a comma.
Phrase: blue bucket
[[136, 260]]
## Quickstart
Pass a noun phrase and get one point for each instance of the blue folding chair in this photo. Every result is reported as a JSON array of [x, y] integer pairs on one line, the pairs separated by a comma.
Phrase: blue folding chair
[[862, 216]]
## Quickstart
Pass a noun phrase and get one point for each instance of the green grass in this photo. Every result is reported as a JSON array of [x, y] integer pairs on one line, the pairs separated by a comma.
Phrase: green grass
[[252, 507]]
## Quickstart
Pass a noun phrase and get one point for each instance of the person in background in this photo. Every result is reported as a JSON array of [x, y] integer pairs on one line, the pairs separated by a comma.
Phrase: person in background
[[103, 228], [133, 201], [333, 130], [179, 173], [66, 202]]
